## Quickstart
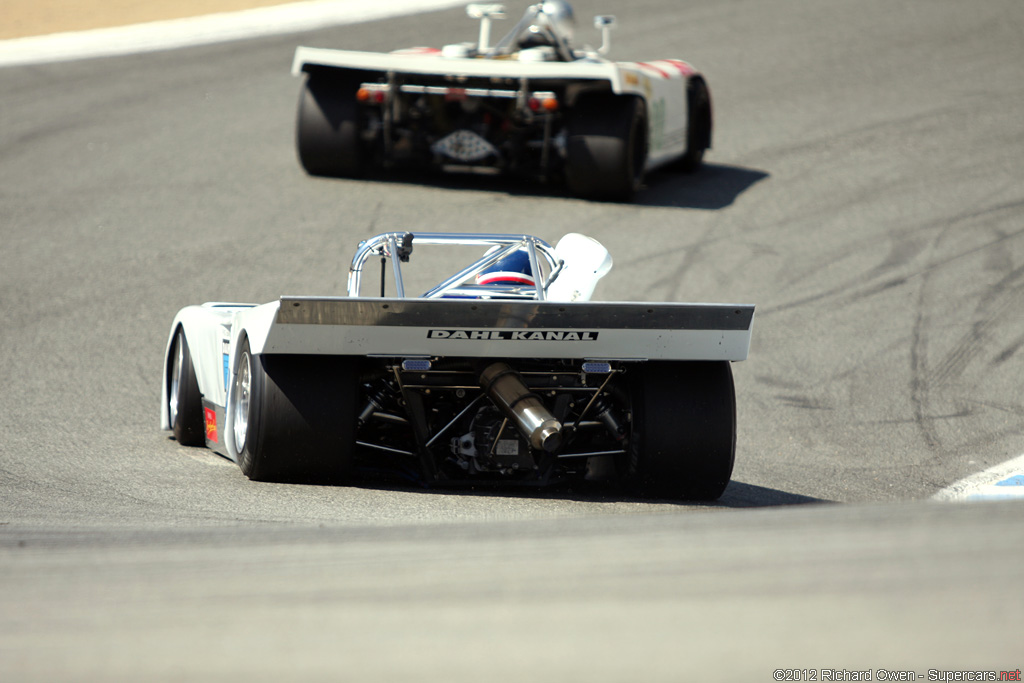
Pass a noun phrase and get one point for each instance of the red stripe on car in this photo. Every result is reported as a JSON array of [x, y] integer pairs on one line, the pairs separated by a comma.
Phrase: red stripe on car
[[505, 279], [663, 74], [683, 67]]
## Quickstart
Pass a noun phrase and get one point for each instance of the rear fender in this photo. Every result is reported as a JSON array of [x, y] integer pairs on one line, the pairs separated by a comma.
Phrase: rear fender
[[207, 328], [663, 84]]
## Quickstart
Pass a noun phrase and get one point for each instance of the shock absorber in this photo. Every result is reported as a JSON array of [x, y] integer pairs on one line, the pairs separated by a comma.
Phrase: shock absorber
[[376, 396], [524, 408], [608, 417]]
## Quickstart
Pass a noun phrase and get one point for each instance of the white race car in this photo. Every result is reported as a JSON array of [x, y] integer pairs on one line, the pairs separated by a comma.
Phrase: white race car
[[531, 104], [503, 373]]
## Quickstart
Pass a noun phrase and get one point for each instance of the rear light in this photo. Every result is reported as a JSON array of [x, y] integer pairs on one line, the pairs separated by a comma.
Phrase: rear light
[[371, 95], [542, 104]]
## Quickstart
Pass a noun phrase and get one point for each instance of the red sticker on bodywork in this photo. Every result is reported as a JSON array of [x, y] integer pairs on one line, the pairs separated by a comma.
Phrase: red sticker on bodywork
[[660, 72], [211, 424], [683, 67]]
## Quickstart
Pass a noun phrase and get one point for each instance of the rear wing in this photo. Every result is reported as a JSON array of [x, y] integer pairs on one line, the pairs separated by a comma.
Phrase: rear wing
[[410, 328], [547, 314], [430, 63]]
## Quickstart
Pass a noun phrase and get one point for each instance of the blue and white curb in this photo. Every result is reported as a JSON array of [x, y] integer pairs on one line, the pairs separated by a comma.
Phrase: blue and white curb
[[1002, 482], [204, 30]]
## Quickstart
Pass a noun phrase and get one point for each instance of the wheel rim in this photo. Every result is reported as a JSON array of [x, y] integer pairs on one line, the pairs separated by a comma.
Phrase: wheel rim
[[176, 364], [241, 411]]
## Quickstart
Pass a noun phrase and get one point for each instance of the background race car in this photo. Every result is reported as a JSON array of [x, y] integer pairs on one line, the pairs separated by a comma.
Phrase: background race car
[[531, 104]]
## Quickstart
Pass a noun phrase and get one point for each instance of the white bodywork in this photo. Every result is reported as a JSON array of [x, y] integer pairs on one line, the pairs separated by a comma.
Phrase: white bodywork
[[661, 83], [565, 325]]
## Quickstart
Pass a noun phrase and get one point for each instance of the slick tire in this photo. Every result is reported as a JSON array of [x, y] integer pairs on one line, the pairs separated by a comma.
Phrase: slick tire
[[606, 146], [184, 402], [327, 132], [698, 127], [293, 416], [683, 436]]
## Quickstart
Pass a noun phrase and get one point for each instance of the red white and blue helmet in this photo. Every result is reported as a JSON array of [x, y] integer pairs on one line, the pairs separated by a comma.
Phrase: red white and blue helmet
[[514, 269]]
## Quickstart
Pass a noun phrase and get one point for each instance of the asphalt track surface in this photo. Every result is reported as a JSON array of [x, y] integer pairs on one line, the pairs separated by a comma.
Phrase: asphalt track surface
[[865, 191]]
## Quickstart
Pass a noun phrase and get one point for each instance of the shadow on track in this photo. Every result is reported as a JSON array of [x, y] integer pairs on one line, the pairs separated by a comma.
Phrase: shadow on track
[[737, 494], [740, 495], [711, 188], [404, 478]]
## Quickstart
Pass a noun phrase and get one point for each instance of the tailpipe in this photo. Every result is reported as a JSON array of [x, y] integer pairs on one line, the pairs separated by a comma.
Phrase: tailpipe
[[506, 388]]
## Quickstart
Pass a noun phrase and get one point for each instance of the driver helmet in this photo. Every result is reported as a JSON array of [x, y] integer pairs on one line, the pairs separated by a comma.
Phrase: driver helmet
[[514, 269], [560, 15], [555, 17]]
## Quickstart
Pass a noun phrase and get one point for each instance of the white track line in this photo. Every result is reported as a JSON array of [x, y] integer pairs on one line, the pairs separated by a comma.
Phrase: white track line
[[1000, 482], [211, 28]]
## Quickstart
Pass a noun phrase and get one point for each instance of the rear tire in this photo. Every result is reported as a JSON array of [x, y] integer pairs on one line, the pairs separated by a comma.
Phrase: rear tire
[[606, 146], [698, 128], [683, 437], [184, 402], [327, 131], [294, 416]]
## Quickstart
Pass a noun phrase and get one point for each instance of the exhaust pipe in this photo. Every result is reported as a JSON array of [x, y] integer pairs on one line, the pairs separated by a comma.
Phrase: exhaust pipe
[[505, 387]]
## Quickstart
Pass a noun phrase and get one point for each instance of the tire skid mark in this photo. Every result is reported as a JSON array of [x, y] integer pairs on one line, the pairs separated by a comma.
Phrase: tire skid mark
[[991, 312], [803, 402], [916, 246], [998, 305], [876, 133], [973, 343], [1008, 352], [918, 370], [855, 288], [673, 280]]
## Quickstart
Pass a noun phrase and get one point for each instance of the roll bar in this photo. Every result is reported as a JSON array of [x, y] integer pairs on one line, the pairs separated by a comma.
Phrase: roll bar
[[398, 246]]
